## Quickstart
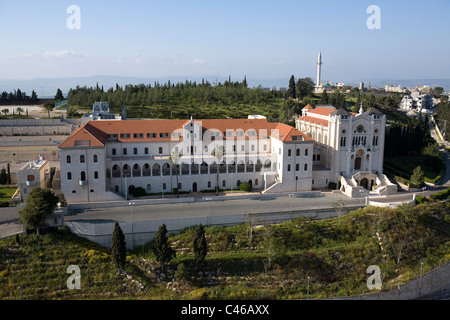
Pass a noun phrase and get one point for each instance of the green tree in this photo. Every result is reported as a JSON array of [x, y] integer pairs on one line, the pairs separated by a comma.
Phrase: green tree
[[59, 95], [34, 96], [118, 248], [49, 106], [3, 176], [324, 97], [162, 250], [19, 110], [291, 91], [199, 244], [218, 154], [417, 179], [304, 87], [273, 247], [5, 111], [62, 200], [174, 158], [40, 203], [437, 91], [8, 173]]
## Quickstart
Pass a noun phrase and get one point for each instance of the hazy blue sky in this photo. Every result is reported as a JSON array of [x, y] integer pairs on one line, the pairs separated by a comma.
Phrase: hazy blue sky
[[260, 39]]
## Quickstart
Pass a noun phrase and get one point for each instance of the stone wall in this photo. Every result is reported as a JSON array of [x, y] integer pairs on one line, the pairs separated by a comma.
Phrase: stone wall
[[37, 127], [436, 281]]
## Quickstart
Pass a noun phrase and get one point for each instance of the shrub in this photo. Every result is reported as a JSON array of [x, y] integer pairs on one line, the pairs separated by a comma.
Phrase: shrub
[[421, 199], [442, 195], [245, 186], [332, 186], [138, 192], [182, 272]]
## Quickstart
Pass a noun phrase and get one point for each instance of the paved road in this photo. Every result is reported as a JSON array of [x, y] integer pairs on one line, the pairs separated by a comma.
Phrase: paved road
[[276, 203]]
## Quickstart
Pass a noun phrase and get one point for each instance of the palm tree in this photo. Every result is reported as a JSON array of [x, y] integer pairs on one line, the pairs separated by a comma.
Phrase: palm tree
[[5, 111], [174, 158], [49, 106], [218, 154], [19, 110]]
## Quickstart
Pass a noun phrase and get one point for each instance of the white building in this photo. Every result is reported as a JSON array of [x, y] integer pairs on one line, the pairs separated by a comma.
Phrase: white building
[[100, 111], [35, 173], [105, 160], [398, 89], [417, 101], [349, 149]]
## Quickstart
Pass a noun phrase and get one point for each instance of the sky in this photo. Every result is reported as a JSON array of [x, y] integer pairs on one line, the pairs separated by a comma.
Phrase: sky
[[259, 39]]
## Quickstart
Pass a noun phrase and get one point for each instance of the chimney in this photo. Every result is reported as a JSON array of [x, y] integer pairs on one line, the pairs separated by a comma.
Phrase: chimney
[[124, 113]]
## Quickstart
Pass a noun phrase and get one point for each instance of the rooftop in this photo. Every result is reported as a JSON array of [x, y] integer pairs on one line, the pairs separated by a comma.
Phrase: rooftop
[[97, 133]]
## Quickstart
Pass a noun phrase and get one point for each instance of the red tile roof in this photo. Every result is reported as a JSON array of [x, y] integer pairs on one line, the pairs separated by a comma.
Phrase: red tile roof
[[96, 132], [322, 111], [314, 120]]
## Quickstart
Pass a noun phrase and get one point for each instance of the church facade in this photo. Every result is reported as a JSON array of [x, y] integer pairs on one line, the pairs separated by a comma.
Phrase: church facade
[[349, 149]]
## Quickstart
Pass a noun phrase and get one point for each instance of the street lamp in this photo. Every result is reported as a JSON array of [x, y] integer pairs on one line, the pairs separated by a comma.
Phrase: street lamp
[[125, 175], [131, 204], [290, 206], [207, 219]]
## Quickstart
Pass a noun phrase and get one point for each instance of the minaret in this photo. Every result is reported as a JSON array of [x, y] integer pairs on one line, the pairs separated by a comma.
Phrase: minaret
[[319, 68]]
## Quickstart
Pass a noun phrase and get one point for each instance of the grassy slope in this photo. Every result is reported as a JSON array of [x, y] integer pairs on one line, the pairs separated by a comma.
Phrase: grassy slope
[[335, 254]]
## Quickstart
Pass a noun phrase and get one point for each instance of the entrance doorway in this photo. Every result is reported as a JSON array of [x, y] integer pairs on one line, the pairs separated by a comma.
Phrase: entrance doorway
[[194, 187], [365, 183]]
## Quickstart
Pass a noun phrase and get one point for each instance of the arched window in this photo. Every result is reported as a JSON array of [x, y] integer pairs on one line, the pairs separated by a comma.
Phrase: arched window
[[289, 152], [83, 176], [306, 167], [289, 167], [297, 167], [95, 158], [96, 175], [116, 171], [136, 170], [82, 159], [314, 157], [318, 157], [298, 152], [69, 159], [149, 187], [306, 152], [69, 175]]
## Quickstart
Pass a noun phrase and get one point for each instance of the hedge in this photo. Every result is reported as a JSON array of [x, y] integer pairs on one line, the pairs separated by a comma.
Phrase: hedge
[[245, 186], [442, 195]]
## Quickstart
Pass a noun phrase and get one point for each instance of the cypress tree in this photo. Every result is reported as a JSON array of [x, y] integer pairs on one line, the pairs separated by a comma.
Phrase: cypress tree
[[200, 245], [163, 252], [118, 248], [8, 179], [291, 91]]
